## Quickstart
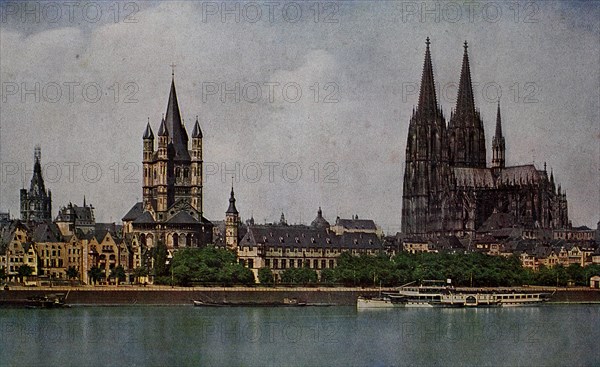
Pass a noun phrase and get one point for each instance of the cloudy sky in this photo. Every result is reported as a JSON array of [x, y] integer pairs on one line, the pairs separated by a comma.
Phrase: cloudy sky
[[306, 103]]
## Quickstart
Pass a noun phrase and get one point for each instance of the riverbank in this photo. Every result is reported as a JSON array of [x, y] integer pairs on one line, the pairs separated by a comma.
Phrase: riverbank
[[161, 295]]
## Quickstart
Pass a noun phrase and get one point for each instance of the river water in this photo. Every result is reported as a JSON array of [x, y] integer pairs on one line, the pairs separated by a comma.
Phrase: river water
[[548, 335]]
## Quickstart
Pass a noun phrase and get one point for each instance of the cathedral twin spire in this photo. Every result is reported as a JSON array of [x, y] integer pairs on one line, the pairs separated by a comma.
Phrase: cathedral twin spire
[[427, 96]]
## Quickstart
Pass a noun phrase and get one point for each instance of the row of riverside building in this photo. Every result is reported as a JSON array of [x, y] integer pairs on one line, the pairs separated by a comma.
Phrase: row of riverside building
[[452, 202]]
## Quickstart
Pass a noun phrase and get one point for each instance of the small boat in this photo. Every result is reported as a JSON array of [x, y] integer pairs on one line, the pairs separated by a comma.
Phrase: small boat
[[287, 302], [39, 301]]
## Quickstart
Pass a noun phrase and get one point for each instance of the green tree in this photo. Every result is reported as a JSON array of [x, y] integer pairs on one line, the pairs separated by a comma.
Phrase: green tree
[[72, 272], [95, 274], [24, 271], [265, 276], [140, 272], [299, 276], [2, 273], [209, 265], [118, 274], [327, 277], [160, 260]]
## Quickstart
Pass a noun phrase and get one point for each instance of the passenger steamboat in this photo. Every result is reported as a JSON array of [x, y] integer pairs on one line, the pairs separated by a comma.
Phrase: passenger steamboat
[[436, 294]]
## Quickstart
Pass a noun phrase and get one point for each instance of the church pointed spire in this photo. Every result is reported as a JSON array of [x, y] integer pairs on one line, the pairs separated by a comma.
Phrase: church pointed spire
[[232, 209], [465, 103], [148, 134], [197, 132], [498, 123], [162, 130], [427, 97], [37, 181], [174, 125]]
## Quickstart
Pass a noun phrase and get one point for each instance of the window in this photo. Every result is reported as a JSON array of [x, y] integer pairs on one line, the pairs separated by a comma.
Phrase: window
[[331, 264], [251, 263], [323, 264], [267, 263], [275, 264], [283, 263]]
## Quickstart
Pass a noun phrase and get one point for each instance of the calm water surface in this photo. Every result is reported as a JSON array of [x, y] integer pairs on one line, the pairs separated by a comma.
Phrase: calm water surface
[[549, 335]]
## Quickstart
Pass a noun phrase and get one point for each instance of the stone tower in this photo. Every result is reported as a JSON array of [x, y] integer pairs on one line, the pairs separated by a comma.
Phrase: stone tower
[[36, 204], [426, 169], [196, 167], [232, 221], [172, 173], [465, 130], [171, 210]]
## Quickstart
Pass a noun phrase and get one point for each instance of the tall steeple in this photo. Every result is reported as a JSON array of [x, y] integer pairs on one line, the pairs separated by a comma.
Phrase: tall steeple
[[466, 134], [498, 146], [37, 187], [426, 167], [465, 103], [175, 127], [427, 97], [36, 204], [232, 220]]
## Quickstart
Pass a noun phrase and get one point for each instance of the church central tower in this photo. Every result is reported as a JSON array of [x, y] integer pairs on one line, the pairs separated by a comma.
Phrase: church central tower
[[172, 173]]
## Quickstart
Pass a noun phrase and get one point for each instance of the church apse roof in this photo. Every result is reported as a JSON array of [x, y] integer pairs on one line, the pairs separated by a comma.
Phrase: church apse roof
[[134, 212]]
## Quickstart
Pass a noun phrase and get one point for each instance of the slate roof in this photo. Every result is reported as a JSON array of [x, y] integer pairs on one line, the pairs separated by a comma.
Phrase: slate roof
[[46, 232], [305, 237], [134, 212], [367, 224], [497, 221], [182, 217], [473, 177], [145, 218], [519, 174]]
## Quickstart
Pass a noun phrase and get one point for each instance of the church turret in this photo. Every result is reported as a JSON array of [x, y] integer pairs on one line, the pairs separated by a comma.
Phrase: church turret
[[466, 134], [161, 167], [498, 146], [148, 142], [196, 167], [148, 153], [163, 140], [232, 220]]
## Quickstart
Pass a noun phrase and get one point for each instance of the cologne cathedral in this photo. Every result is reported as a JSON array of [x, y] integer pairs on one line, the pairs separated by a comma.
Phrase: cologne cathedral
[[448, 187], [171, 211]]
